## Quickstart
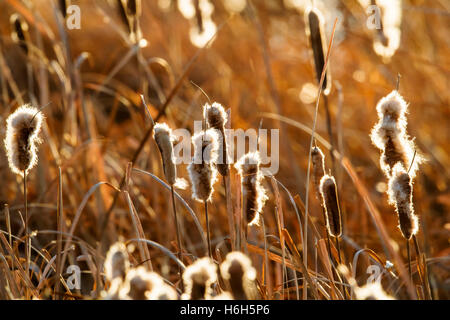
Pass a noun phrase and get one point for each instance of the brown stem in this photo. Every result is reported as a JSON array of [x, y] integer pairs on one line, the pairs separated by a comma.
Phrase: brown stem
[[207, 230], [423, 277], [27, 238], [174, 208]]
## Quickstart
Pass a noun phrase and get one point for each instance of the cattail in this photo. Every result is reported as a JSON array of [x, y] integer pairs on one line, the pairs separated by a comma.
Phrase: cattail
[[19, 32], [400, 195], [315, 31], [372, 291], [22, 137], [217, 117], [253, 192], [318, 163], [198, 279], [202, 171], [239, 274], [116, 262], [134, 8], [163, 292], [63, 5], [389, 135], [114, 291], [139, 282], [330, 199], [164, 139]]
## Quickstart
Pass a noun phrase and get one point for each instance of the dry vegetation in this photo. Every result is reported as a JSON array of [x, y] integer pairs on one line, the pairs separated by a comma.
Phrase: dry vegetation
[[100, 177]]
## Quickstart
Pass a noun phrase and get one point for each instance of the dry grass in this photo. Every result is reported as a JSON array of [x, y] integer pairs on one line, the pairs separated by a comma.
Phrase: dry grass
[[100, 178]]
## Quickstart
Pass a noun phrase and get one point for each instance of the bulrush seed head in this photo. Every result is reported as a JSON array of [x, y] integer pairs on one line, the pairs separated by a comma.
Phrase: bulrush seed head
[[253, 192], [163, 292], [314, 22], [139, 282], [389, 135], [239, 274], [198, 279], [22, 137], [133, 7], [330, 198], [202, 170], [164, 139], [116, 263], [372, 291], [400, 195], [216, 117], [114, 291]]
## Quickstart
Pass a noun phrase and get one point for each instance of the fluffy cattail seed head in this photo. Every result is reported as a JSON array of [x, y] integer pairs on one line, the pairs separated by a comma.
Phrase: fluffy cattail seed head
[[253, 192], [239, 274], [114, 291], [116, 263], [372, 291], [164, 139], [389, 135], [315, 31], [330, 199], [318, 162], [139, 282], [400, 195], [163, 292], [22, 136], [202, 170], [216, 117], [198, 279]]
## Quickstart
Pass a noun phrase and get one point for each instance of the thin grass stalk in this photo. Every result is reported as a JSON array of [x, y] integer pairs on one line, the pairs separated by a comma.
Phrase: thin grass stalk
[[177, 230], [8, 227], [266, 261], [27, 238], [422, 273], [409, 260], [330, 133], [60, 223], [207, 229], [232, 226]]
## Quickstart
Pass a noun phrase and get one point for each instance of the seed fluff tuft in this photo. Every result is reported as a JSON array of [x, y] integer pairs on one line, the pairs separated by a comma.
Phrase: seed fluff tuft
[[253, 192], [202, 169], [22, 137], [198, 279], [400, 195]]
